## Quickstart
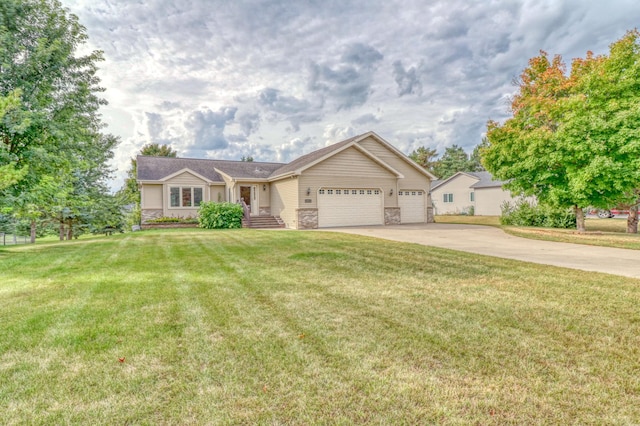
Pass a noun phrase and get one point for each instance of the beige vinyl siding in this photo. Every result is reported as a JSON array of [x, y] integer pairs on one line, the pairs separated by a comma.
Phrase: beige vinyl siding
[[284, 201], [265, 194], [185, 179], [413, 179], [460, 187], [489, 201], [347, 169], [217, 193], [152, 196]]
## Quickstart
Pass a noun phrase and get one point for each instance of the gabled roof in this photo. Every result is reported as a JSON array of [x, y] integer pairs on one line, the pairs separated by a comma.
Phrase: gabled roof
[[305, 161], [483, 180], [486, 181], [159, 168], [246, 169], [309, 160]]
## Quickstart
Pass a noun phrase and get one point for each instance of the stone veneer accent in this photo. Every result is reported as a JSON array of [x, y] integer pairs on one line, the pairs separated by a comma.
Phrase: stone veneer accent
[[392, 215], [430, 218], [307, 218], [265, 211], [148, 214]]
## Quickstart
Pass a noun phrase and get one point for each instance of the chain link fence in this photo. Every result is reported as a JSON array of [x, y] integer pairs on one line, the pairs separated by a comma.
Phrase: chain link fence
[[11, 239]]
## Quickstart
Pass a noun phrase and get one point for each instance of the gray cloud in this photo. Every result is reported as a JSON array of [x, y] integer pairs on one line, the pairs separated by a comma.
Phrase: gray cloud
[[348, 84], [249, 122], [365, 119], [154, 124], [206, 128], [420, 72], [290, 108], [407, 80]]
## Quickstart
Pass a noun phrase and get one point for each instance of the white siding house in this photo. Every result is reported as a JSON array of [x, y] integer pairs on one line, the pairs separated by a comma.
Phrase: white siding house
[[467, 192]]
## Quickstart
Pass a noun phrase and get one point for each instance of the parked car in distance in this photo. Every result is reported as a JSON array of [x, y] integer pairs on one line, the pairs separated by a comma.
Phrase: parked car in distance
[[605, 214]]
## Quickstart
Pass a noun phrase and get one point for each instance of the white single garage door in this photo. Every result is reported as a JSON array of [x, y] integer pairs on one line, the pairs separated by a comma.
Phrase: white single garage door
[[349, 207], [411, 205]]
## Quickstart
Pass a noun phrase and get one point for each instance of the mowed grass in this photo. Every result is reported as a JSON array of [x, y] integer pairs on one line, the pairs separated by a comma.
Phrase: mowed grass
[[600, 232], [286, 327]]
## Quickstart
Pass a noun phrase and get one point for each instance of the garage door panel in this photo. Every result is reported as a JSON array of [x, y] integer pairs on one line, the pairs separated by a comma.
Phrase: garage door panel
[[349, 207], [412, 206]]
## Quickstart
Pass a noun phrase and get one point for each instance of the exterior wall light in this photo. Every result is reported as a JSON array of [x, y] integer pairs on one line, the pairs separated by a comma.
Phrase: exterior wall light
[[391, 192], [308, 191], [264, 187]]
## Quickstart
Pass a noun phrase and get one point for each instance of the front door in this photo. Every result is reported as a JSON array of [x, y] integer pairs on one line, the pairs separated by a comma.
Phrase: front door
[[249, 195]]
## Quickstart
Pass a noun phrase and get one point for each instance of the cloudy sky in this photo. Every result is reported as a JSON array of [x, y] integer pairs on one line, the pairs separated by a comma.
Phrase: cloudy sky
[[277, 79]]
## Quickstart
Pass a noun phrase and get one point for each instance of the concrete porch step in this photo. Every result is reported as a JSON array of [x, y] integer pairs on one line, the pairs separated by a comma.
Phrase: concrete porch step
[[263, 222]]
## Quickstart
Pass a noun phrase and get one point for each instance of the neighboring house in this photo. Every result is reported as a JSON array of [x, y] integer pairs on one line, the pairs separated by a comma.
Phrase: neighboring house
[[360, 181], [466, 190]]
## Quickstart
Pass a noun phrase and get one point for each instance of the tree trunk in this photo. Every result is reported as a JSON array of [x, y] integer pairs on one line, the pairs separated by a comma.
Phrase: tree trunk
[[70, 231], [579, 220], [33, 231], [632, 220], [62, 230]]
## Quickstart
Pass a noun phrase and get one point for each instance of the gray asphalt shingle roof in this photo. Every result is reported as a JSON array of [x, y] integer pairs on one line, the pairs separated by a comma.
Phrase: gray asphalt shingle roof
[[156, 168], [486, 180]]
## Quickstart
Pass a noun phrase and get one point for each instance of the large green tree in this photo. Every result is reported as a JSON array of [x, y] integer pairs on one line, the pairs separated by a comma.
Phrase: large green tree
[[426, 157], [574, 138], [53, 130], [129, 193], [10, 174], [454, 160]]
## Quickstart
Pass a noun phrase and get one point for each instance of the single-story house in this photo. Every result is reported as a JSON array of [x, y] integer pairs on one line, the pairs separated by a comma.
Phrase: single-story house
[[363, 180], [470, 191]]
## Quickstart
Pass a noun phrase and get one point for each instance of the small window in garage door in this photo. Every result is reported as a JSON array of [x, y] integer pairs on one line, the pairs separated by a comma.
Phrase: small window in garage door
[[412, 206], [350, 207]]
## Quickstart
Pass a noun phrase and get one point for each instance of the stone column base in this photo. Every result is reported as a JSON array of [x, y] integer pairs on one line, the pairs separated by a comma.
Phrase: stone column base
[[149, 214], [430, 218], [392, 215], [307, 218]]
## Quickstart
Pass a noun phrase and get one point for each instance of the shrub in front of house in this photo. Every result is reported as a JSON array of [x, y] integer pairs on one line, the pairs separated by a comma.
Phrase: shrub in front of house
[[524, 213], [214, 215]]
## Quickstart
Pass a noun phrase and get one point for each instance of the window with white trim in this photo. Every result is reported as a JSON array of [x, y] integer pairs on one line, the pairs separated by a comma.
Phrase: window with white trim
[[185, 196], [472, 196], [447, 198]]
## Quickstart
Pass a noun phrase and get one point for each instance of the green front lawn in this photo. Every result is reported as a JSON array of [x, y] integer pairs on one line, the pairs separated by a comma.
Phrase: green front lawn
[[287, 327]]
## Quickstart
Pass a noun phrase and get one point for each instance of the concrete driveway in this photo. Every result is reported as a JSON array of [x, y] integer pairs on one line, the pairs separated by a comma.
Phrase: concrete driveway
[[492, 241]]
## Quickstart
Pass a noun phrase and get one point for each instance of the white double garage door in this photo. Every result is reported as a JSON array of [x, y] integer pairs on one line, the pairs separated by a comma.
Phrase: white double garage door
[[365, 206]]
